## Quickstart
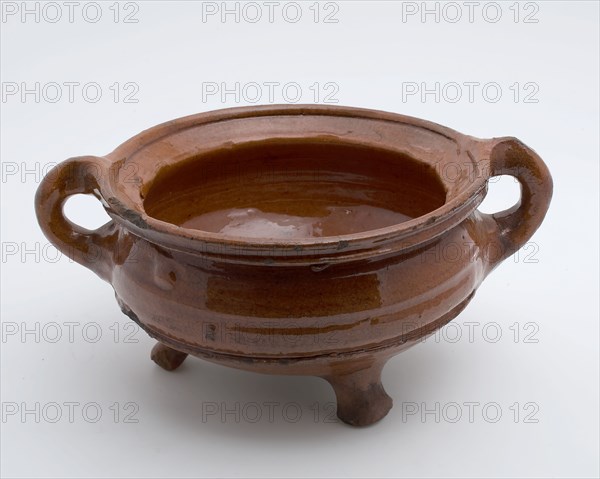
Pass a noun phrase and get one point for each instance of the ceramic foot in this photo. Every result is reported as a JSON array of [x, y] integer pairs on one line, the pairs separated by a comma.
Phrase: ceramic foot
[[361, 399], [166, 357]]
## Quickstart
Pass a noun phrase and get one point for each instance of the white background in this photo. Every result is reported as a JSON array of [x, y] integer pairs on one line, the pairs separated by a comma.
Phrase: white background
[[548, 293]]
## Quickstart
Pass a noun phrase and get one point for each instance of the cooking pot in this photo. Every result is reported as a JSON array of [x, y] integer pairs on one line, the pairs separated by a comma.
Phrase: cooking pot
[[312, 240]]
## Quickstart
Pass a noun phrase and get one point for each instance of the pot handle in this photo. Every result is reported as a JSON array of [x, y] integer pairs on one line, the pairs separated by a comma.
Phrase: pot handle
[[92, 249], [513, 227]]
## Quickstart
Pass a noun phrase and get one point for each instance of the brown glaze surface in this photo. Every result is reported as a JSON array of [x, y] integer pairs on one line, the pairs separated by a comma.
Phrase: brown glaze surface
[[297, 239], [294, 190], [285, 220]]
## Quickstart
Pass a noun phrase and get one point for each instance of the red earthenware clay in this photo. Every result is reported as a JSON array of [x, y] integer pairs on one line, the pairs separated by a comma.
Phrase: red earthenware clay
[[309, 239]]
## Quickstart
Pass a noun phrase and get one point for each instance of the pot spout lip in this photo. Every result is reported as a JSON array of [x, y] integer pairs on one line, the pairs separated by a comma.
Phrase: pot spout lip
[[322, 250], [276, 251]]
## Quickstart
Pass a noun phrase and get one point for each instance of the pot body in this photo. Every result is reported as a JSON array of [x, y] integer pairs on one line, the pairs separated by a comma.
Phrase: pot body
[[271, 314], [274, 300]]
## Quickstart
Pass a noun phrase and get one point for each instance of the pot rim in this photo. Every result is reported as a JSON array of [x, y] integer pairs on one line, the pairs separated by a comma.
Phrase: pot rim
[[401, 236]]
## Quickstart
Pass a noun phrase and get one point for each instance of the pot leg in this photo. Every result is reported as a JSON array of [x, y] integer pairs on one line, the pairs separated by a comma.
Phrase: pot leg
[[166, 357], [361, 399]]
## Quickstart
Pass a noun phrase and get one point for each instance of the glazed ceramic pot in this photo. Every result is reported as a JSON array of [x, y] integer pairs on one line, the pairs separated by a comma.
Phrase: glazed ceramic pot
[[312, 240]]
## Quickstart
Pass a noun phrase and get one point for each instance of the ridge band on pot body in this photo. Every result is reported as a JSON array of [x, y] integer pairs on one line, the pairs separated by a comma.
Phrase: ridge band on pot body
[[335, 306]]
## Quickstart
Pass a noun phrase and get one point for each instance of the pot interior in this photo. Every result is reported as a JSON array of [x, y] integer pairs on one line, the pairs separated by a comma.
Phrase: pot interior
[[294, 189]]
